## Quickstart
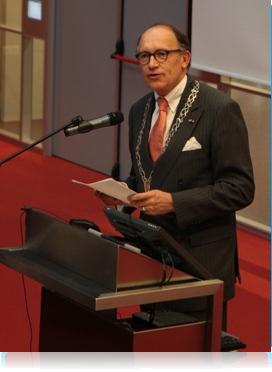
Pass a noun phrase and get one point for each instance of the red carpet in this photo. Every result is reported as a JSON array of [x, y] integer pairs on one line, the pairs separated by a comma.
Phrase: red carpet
[[249, 312], [45, 182]]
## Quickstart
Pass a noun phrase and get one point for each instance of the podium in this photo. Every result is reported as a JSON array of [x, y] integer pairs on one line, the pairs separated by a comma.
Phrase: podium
[[87, 278]]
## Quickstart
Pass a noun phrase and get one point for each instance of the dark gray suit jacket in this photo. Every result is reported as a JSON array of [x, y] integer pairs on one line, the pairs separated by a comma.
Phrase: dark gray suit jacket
[[208, 185]]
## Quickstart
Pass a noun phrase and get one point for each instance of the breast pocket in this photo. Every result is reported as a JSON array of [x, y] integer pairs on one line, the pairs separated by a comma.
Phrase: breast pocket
[[193, 155]]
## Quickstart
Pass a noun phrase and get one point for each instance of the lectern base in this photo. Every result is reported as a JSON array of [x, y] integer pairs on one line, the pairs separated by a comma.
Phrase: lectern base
[[67, 326]]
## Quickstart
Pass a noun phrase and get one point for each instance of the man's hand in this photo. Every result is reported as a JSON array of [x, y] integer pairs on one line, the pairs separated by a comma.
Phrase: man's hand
[[153, 202]]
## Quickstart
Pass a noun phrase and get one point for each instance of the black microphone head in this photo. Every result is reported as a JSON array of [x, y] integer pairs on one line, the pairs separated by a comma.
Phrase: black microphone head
[[116, 117]]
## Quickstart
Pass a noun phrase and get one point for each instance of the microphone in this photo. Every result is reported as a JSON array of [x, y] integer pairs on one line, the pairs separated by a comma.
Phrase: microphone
[[84, 126]]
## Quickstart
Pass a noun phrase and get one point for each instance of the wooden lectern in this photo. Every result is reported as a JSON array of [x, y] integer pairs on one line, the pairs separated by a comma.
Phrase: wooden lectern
[[86, 279]]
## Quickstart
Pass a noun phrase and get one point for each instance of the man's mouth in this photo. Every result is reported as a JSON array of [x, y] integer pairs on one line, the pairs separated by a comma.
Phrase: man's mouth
[[153, 76]]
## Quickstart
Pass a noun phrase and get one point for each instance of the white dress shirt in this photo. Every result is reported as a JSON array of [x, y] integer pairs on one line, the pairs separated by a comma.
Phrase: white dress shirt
[[173, 99]]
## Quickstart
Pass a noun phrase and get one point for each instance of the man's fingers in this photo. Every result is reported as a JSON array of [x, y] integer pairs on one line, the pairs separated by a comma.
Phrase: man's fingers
[[140, 197]]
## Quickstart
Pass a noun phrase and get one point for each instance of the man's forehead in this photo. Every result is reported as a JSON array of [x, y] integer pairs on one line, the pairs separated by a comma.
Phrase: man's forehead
[[158, 34]]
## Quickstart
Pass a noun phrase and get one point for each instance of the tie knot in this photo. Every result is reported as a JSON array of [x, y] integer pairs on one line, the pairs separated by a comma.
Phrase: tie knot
[[163, 104]]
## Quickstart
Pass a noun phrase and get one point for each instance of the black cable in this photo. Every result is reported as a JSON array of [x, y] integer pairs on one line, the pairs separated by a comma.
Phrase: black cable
[[165, 256], [164, 269], [171, 267], [151, 313], [151, 310], [115, 172], [22, 215], [167, 261], [190, 17], [24, 287], [27, 313]]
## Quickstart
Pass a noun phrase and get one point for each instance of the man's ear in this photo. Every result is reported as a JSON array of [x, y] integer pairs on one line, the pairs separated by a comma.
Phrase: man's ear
[[186, 59]]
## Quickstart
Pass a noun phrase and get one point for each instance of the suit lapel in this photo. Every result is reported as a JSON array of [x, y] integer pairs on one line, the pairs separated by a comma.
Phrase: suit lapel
[[178, 141]]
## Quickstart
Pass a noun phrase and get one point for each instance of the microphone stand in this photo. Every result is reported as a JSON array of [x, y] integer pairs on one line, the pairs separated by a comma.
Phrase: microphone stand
[[73, 122]]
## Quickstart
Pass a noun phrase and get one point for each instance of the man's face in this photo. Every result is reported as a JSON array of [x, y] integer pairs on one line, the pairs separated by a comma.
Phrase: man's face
[[163, 77]]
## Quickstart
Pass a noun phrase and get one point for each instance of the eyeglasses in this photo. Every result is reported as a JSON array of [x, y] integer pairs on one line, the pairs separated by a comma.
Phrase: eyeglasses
[[160, 55]]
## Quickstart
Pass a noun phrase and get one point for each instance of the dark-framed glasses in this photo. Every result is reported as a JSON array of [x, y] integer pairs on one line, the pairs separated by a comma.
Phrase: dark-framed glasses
[[160, 55]]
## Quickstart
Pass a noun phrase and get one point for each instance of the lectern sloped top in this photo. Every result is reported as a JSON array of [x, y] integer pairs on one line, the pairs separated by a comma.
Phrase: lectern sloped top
[[63, 257], [86, 268], [72, 248]]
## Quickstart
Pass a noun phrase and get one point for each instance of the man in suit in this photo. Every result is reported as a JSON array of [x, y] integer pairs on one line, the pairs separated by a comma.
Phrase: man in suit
[[204, 172], [201, 173]]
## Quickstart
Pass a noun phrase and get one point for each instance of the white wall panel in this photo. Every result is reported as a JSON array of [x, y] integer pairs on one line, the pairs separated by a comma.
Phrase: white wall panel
[[232, 38]]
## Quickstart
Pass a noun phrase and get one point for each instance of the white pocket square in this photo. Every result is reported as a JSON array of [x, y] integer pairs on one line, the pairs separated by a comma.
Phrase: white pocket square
[[192, 144]]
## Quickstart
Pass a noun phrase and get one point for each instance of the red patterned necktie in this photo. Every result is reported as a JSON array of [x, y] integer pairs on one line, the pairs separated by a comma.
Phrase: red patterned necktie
[[157, 132]]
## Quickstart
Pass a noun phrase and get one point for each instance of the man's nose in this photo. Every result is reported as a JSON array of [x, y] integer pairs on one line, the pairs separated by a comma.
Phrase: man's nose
[[153, 62]]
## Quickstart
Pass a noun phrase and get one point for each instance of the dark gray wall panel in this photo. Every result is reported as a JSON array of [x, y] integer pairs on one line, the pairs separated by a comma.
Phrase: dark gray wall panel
[[86, 78]]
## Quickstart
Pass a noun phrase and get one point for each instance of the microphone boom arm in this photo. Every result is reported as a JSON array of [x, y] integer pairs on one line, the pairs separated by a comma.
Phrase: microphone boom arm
[[74, 121]]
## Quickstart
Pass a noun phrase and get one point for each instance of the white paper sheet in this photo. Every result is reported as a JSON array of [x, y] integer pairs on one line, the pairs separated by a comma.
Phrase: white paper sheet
[[111, 188]]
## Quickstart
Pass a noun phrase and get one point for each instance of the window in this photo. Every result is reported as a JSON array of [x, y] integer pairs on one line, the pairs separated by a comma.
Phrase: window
[[22, 55]]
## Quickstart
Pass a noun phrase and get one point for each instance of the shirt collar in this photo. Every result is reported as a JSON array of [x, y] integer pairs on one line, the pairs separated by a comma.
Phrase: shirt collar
[[173, 97]]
